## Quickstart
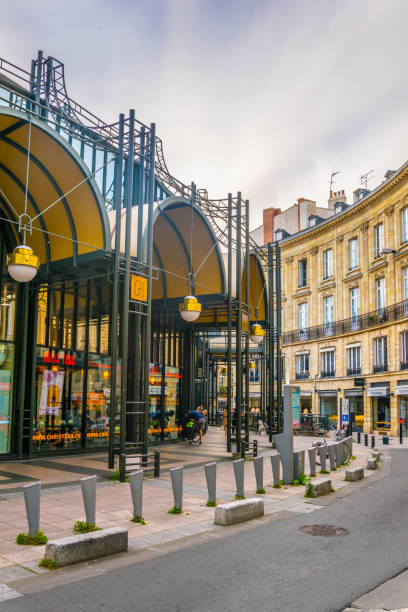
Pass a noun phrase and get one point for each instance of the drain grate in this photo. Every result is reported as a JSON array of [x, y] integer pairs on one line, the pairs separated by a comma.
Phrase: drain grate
[[324, 530]]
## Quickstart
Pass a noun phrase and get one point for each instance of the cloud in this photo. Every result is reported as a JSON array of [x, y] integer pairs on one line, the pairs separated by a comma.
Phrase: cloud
[[266, 97]]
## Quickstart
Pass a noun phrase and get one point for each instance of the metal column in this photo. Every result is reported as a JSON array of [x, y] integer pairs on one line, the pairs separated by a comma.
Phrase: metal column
[[278, 336], [229, 331], [248, 323], [271, 343], [238, 310]]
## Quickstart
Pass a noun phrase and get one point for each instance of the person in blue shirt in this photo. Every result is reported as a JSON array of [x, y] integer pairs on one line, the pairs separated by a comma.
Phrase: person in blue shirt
[[198, 418]]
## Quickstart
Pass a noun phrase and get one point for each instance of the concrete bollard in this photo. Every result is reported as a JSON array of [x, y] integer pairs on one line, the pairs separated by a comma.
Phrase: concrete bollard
[[312, 460], [338, 448], [332, 456], [136, 489], [176, 475], [275, 462], [88, 486], [298, 464], [239, 477], [32, 493], [258, 467], [211, 478], [322, 455]]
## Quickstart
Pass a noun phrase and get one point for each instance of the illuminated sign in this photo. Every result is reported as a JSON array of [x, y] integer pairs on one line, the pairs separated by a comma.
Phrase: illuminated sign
[[138, 288], [58, 357]]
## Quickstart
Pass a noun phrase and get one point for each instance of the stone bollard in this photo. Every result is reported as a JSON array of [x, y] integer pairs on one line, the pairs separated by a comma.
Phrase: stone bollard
[[88, 486], [371, 464], [322, 455], [375, 454], [312, 460], [32, 493], [332, 456], [136, 489], [298, 464], [258, 467], [275, 462], [176, 475], [239, 477], [338, 448], [211, 478]]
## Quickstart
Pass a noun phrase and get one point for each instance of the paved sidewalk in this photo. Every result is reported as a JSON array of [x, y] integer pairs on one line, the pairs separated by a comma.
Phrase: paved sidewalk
[[392, 596], [61, 506]]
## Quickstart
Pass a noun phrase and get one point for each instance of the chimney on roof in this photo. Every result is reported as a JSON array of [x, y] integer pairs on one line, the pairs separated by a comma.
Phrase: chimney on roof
[[336, 196]]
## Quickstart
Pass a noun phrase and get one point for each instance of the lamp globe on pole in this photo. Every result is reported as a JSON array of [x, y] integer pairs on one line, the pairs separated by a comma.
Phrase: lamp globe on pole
[[23, 264], [190, 309], [256, 333]]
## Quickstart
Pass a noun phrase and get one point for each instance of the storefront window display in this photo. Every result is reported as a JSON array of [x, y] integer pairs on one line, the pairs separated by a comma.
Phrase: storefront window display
[[7, 320], [380, 405], [328, 409], [163, 409]]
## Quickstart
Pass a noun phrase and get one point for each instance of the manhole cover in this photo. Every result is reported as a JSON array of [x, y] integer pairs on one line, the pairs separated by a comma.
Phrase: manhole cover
[[323, 530]]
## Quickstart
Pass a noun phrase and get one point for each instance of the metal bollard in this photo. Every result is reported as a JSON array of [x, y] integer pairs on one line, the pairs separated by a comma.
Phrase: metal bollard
[[365, 439], [211, 477], [122, 468], [386, 440], [322, 455], [239, 477], [332, 456], [88, 486], [136, 489], [176, 475], [258, 467], [157, 464], [298, 464], [275, 462], [312, 460], [359, 437], [32, 493]]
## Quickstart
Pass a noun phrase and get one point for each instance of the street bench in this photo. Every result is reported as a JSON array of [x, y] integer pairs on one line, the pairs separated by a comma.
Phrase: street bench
[[87, 546]]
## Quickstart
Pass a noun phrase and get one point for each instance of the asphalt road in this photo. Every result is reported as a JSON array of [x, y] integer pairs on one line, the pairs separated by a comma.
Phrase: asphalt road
[[272, 567]]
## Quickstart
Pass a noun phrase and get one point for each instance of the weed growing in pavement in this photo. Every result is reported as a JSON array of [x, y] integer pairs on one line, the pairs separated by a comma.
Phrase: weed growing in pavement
[[138, 519], [249, 458], [115, 477], [48, 563], [352, 457], [83, 527], [332, 490], [301, 480], [237, 497], [175, 510], [211, 504], [309, 490], [324, 472], [39, 539], [261, 491]]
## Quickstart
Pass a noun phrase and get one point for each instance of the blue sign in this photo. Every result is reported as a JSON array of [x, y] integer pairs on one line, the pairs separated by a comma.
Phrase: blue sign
[[345, 418]]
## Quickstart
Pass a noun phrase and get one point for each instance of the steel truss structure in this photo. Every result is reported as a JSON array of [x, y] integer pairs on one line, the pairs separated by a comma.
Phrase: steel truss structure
[[126, 159]]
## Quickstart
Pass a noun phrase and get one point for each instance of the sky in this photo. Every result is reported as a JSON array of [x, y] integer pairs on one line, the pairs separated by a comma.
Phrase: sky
[[267, 97]]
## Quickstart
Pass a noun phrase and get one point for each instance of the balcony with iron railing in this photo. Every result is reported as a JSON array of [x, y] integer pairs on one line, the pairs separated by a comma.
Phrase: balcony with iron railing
[[383, 367], [302, 375], [404, 365], [353, 371], [395, 312], [328, 373]]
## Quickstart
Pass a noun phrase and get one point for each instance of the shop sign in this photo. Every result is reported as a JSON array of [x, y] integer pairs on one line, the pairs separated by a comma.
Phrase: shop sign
[[345, 411], [296, 407], [359, 382], [51, 392], [378, 391], [306, 394], [138, 288], [156, 390], [354, 392], [328, 393], [401, 390]]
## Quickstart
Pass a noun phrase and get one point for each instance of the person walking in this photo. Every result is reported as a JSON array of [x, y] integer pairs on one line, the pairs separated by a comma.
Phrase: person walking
[[198, 418]]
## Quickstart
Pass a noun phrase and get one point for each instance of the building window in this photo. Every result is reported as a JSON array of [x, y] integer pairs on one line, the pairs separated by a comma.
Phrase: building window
[[303, 273], [328, 315], [404, 351], [380, 296], [328, 364], [254, 372], [404, 224], [405, 288], [380, 355], [354, 361], [378, 239], [303, 321], [353, 253], [302, 366], [327, 264], [355, 308]]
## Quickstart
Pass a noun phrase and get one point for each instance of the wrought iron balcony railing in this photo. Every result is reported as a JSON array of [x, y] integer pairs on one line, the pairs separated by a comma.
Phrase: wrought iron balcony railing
[[356, 322], [302, 375], [328, 373], [353, 371], [380, 368], [404, 365]]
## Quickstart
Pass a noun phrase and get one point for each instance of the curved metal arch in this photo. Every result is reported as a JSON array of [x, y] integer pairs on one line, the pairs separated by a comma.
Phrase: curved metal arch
[[181, 239], [156, 250], [57, 188], [260, 269], [173, 202], [33, 204]]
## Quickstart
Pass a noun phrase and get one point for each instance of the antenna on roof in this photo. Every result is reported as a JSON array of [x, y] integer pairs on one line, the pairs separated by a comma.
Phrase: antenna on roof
[[333, 174], [364, 178]]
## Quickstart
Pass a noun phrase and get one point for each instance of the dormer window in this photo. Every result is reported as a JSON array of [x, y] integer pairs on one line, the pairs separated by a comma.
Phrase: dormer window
[[312, 221]]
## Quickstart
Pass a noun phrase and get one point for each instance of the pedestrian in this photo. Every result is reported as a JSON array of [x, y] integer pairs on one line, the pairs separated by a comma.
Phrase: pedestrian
[[198, 418], [203, 411]]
